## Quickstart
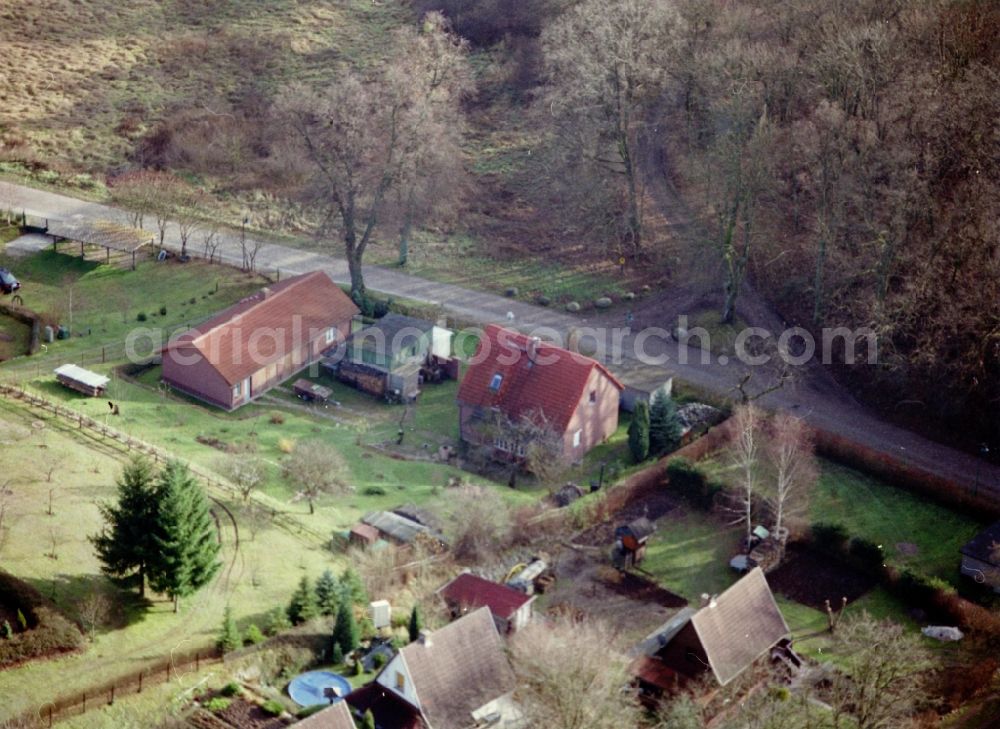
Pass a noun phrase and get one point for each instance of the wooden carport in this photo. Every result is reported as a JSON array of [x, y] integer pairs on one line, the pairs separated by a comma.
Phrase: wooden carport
[[100, 233]]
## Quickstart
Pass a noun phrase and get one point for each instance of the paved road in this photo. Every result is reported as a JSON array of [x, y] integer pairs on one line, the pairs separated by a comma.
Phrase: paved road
[[813, 394]]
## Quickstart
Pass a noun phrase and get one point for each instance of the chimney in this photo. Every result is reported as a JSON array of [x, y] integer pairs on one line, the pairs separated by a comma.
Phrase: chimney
[[533, 348], [424, 638]]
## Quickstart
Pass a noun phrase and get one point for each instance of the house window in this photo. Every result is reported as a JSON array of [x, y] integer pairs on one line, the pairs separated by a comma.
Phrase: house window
[[237, 390], [593, 395], [331, 335], [576, 438], [400, 681], [495, 382]]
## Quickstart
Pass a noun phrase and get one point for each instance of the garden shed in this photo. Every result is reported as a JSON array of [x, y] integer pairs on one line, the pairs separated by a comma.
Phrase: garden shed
[[81, 380]]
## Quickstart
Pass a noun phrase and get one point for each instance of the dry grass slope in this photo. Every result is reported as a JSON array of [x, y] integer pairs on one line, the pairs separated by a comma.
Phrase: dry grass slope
[[81, 80]]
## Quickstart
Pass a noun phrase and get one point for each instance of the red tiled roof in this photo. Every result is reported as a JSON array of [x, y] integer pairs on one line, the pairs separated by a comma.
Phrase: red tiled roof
[[551, 382], [275, 321], [471, 592], [368, 533]]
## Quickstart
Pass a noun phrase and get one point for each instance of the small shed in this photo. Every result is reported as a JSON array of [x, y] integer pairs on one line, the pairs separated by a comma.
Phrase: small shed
[[630, 542], [310, 391], [363, 535], [81, 380], [981, 557], [643, 386]]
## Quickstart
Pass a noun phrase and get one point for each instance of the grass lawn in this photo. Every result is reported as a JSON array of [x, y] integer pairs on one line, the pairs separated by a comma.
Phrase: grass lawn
[[15, 337], [914, 532], [101, 303], [689, 554], [53, 553]]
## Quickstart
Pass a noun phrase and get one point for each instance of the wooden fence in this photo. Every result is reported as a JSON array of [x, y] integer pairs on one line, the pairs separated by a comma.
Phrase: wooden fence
[[154, 673]]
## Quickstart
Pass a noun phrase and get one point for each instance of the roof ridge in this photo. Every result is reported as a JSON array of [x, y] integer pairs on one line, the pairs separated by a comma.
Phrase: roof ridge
[[261, 298]]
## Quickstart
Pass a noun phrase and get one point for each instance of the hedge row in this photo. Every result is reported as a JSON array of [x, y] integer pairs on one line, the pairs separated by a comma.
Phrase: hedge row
[[935, 596], [48, 632], [691, 482]]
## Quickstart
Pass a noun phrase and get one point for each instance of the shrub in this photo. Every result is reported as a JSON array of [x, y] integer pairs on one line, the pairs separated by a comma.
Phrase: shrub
[[920, 589], [45, 631], [193, 300], [254, 635], [277, 621], [218, 704], [277, 419], [866, 555], [229, 636], [273, 707], [302, 606], [690, 482], [163, 311], [286, 445], [829, 538], [378, 661], [231, 689], [337, 654], [5, 630], [141, 316], [373, 491]]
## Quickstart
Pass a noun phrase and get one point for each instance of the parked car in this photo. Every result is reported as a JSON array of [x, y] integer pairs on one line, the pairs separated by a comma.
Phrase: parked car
[[8, 284]]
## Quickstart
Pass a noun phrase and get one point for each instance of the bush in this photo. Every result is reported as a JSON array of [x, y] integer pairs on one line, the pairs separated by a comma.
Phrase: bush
[[141, 316], [286, 445], [690, 482], [277, 621], [378, 661], [218, 704], [254, 635], [163, 311], [866, 555], [273, 707], [44, 631], [231, 689], [277, 419], [829, 538], [373, 491], [193, 300]]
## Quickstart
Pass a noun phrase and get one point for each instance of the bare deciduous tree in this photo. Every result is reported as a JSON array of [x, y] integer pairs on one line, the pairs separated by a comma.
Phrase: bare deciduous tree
[[745, 453], [247, 472], [789, 450], [606, 61], [480, 524], [529, 442], [881, 682], [359, 139], [569, 677], [94, 611], [315, 468]]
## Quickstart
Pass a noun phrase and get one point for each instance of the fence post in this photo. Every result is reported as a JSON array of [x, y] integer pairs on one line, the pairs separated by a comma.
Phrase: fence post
[[50, 716], [84, 702], [168, 671], [197, 662], [112, 701], [140, 681]]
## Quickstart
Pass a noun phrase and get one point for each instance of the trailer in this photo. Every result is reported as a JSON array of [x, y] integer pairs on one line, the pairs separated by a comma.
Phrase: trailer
[[311, 392], [81, 380]]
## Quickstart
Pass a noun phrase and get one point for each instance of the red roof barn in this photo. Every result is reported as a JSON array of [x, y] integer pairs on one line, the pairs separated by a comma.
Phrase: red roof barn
[[253, 345], [519, 376], [511, 609]]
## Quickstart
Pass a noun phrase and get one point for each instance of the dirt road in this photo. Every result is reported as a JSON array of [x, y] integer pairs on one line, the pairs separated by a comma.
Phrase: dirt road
[[812, 394]]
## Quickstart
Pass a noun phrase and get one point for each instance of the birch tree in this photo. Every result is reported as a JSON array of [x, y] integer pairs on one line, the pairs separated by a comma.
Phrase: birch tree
[[745, 453], [790, 454]]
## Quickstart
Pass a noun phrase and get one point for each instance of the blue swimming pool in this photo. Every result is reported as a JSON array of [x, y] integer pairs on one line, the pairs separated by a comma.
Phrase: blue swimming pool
[[310, 688]]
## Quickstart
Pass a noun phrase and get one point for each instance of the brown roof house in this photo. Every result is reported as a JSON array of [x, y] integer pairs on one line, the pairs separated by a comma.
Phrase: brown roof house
[[518, 376], [337, 716], [725, 636], [510, 608], [981, 557], [253, 345], [453, 678]]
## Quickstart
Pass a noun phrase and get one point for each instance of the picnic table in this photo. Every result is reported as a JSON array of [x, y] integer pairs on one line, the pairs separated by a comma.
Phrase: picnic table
[[310, 391]]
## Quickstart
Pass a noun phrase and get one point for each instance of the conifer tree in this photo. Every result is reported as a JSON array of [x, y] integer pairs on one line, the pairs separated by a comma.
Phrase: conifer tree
[[302, 606], [327, 590], [638, 432], [368, 720], [184, 534], [125, 545], [416, 623], [352, 586], [345, 632], [229, 637], [664, 425]]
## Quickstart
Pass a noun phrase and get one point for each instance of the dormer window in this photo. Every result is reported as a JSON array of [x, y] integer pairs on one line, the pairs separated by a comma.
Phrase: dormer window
[[495, 382]]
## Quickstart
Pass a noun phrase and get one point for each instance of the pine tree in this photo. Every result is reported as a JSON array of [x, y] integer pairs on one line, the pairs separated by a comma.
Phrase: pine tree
[[327, 590], [337, 654], [184, 534], [229, 637], [277, 621], [416, 623], [352, 586], [125, 546], [638, 432], [664, 425], [368, 720], [345, 632], [302, 606]]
